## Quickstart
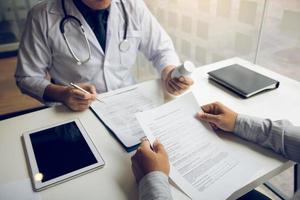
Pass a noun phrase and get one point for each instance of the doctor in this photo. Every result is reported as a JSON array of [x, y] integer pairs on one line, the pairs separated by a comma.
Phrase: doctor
[[93, 43]]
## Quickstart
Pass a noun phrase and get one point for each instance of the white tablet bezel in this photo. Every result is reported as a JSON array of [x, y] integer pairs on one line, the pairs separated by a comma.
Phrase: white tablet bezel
[[38, 184]]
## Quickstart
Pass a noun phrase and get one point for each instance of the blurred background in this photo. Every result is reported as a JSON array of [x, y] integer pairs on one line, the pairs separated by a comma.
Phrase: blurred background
[[12, 20], [265, 32]]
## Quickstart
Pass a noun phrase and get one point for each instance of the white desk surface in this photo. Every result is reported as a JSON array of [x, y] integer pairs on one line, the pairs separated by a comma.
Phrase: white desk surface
[[115, 181]]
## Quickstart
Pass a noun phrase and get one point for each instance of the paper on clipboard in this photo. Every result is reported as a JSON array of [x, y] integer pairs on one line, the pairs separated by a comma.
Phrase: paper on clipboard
[[118, 113]]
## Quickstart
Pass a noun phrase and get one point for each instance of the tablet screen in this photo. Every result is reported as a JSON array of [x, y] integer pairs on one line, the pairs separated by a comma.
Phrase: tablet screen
[[60, 150]]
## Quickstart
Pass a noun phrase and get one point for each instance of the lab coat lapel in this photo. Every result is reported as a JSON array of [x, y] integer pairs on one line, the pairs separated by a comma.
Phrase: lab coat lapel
[[90, 34], [112, 26], [115, 18]]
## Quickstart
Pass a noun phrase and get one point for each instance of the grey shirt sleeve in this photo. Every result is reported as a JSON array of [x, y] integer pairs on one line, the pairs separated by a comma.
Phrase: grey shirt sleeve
[[154, 186], [280, 136]]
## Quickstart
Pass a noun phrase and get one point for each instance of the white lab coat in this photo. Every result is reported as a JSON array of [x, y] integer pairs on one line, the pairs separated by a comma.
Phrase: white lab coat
[[43, 48]]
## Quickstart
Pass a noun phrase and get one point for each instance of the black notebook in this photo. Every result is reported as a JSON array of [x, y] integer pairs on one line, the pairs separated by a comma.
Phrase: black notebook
[[243, 81]]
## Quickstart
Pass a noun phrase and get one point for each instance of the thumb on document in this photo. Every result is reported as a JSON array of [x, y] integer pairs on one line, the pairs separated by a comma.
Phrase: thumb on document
[[158, 147], [145, 146], [208, 117]]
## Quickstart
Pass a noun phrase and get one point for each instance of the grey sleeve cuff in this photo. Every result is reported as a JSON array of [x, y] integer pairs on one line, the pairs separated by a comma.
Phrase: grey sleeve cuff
[[154, 186], [246, 127], [280, 136]]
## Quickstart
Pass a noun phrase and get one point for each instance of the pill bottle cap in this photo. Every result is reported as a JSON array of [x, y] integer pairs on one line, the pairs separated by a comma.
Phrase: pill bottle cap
[[187, 67]]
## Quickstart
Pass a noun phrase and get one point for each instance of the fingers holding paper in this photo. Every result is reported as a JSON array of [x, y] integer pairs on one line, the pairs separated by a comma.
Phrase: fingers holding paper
[[147, 159], [219, 116]]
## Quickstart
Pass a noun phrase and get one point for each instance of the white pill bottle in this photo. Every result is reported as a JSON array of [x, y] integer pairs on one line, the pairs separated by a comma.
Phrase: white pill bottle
[[185, 69]]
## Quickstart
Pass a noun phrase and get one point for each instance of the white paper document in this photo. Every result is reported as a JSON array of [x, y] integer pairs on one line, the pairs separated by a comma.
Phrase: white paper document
[[118, 113], [199, 159]]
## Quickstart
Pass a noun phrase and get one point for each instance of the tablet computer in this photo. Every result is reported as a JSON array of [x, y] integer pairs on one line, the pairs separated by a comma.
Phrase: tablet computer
[[60, 152]]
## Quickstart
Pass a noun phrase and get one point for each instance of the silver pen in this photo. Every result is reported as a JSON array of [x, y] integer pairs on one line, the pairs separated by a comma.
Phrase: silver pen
[[83, 90]]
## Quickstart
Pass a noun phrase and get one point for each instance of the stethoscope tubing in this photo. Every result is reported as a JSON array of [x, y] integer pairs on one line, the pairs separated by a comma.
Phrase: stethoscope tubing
[[126, 20], [124, 45]]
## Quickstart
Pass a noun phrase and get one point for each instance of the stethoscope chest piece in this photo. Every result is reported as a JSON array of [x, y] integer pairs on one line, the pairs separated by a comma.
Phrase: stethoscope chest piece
[[124, 45]]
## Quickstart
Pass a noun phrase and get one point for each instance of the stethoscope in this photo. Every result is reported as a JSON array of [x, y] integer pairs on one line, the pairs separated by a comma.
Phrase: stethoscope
[[124, 45]]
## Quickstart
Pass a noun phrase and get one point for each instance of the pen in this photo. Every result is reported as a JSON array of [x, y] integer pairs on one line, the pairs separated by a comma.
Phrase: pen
[[83, 90]]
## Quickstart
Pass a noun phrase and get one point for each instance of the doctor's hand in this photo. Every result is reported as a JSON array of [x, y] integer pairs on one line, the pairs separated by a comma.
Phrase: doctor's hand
[[175, 86], [219, 116], [73, 98], [78, 100], [147, 160]]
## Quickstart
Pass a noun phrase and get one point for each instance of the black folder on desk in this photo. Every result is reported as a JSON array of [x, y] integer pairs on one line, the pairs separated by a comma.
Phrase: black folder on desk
[[243, 81]]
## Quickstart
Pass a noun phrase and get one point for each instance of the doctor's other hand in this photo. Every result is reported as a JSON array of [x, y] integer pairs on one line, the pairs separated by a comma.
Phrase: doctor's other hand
[[147, 159], [175, 86], [219, 116]]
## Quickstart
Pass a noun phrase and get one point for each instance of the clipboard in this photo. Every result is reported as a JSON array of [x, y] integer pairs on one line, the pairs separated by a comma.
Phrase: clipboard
[[127, 148], [117, 113]]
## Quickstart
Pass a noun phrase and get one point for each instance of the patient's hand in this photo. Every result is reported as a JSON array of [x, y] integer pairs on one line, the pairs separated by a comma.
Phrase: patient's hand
[[219, 116], [147, 160]]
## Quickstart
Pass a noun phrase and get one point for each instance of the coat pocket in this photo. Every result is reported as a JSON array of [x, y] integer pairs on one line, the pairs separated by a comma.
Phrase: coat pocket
[[128, 58]]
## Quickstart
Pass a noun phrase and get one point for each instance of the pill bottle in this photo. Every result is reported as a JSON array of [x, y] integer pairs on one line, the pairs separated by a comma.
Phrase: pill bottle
[[185, 69]]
